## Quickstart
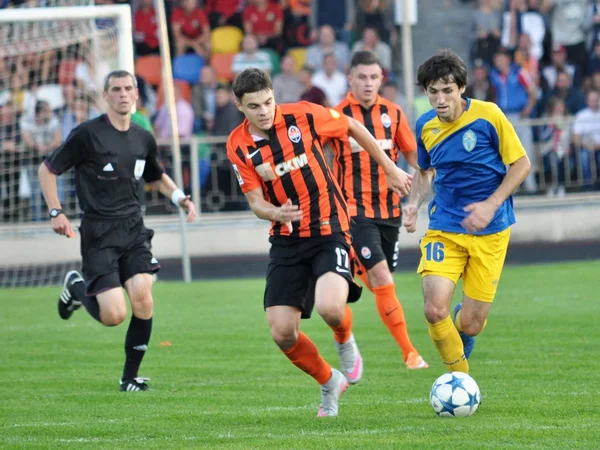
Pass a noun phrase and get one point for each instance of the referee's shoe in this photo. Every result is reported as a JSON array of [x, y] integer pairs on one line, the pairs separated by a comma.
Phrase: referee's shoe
[[67, 303]]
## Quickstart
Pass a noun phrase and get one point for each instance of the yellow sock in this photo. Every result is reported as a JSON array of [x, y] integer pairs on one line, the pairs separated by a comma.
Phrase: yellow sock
[[448, 344]]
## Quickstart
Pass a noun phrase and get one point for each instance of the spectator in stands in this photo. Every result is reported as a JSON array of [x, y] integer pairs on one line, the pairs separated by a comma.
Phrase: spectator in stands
[[516, 96], [520, 18], [203, 99], [340, 16], [480, 87], [555, 141], [185, 118], [526, 59], [145, 29], [286, 85], [224, 12], [264, 20], [310, 92], [296, 15], [75, 112], [586, 135], [571, 96], [559, 63], [487, 23], [378, 15], [389, 90], [41, 133], [227, 116], [327, 44], [593, 64], [370, 41], [595, 81], [141, 116], [191, 30], [11, 161], [568, 30], [251, 56], [592, 21], [331, 80]]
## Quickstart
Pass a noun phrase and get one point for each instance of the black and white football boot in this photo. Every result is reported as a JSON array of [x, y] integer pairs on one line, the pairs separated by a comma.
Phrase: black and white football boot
[[137, 384], [67, 303]]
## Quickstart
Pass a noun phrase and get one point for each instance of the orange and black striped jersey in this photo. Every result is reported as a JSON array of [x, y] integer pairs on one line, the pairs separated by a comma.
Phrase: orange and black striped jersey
[[362, 180], [291, 164]]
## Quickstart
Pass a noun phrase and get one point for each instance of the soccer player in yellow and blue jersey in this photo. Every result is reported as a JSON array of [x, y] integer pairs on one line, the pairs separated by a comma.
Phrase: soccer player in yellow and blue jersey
[[464, 148]]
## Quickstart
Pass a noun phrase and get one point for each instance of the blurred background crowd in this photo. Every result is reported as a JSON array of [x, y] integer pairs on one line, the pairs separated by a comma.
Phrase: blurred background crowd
[[536, 59]]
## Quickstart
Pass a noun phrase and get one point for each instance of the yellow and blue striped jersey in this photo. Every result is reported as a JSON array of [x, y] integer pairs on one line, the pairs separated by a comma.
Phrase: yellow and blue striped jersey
[[469, 156]]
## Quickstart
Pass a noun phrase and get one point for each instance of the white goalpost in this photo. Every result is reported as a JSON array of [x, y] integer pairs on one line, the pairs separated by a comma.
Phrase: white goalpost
[[52, 66]]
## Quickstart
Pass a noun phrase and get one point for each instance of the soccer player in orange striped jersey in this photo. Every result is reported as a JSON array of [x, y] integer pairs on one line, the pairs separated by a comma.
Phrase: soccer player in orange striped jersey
[[374, 208], [277, 155]]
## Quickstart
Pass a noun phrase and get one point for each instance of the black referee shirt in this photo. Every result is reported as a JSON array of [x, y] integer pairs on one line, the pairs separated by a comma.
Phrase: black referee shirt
[[109, 165]]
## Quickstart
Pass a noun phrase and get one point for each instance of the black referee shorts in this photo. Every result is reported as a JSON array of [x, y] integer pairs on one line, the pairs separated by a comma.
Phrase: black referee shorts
[[113, 251], [296, 265], [374, 242]]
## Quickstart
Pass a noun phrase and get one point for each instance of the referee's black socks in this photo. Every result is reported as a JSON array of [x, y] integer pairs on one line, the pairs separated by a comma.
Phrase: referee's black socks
[[136, 344], [90, 303]]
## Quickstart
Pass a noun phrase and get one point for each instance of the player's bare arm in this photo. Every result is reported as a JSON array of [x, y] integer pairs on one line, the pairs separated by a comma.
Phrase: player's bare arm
[[398, 180], [167, 187], [286, 213], [420, 189], [481, 213], [60, 224], [411, 159]]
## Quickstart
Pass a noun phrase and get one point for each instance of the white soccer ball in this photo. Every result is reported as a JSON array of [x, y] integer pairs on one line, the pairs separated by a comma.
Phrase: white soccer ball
[[455, 394]]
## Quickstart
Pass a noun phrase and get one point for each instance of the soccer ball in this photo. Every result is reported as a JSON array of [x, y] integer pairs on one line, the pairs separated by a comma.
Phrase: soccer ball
[[455, 394]]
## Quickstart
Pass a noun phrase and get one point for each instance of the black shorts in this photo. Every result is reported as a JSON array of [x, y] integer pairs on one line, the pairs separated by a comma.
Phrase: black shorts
[[113, 251], [375, 241], [296, 265]]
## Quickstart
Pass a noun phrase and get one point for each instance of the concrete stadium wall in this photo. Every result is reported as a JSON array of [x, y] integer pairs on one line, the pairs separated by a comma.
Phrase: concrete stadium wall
[[575, 217]]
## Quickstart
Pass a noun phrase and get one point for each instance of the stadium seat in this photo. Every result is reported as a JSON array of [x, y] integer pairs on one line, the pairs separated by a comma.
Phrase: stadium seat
[[184, 88], [66, 71], [299, 55], [275, 60], [187, 67], [222, 65], [226, 40], [149, 68]]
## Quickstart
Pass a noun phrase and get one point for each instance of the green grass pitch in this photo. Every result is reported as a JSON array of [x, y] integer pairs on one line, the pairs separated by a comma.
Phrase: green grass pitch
[[223, 384]]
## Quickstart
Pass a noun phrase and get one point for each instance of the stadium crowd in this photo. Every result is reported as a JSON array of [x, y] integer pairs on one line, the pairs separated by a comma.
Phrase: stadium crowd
[[534, 58]]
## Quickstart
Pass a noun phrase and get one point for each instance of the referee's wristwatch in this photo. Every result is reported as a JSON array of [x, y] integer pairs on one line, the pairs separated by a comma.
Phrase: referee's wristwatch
[[55, 212]]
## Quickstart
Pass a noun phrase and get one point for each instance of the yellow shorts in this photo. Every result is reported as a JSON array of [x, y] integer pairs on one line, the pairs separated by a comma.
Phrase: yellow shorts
[[478, 259]]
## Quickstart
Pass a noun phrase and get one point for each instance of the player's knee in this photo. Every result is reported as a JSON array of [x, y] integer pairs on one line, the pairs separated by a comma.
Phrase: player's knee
[[380, 275], [331, 312], [142, 305], [435, 313], [113, 317], [284, 336]]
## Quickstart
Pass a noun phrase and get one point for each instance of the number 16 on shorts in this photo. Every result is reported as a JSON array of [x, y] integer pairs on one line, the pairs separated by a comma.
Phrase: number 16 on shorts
[[434, 251]]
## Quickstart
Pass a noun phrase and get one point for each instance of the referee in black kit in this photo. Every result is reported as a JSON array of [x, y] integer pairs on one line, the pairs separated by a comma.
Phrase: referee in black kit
[[111, 155]]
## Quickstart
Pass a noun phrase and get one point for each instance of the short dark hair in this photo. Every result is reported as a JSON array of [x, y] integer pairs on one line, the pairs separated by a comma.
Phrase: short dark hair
[[446, 66], [250, 81], [40, 105], [118, 74], [364, 57]]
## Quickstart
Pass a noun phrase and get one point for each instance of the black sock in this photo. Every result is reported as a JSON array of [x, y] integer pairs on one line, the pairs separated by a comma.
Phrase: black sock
[[89, 302], [136, 343]]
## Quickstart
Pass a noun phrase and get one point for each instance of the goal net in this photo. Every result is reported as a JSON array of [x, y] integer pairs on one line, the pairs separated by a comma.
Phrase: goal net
[[52, 66]]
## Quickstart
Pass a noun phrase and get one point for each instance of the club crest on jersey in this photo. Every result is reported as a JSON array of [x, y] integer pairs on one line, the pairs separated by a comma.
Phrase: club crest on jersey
[[294, 134], [469, 140], [365, 252], [385, 120]]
